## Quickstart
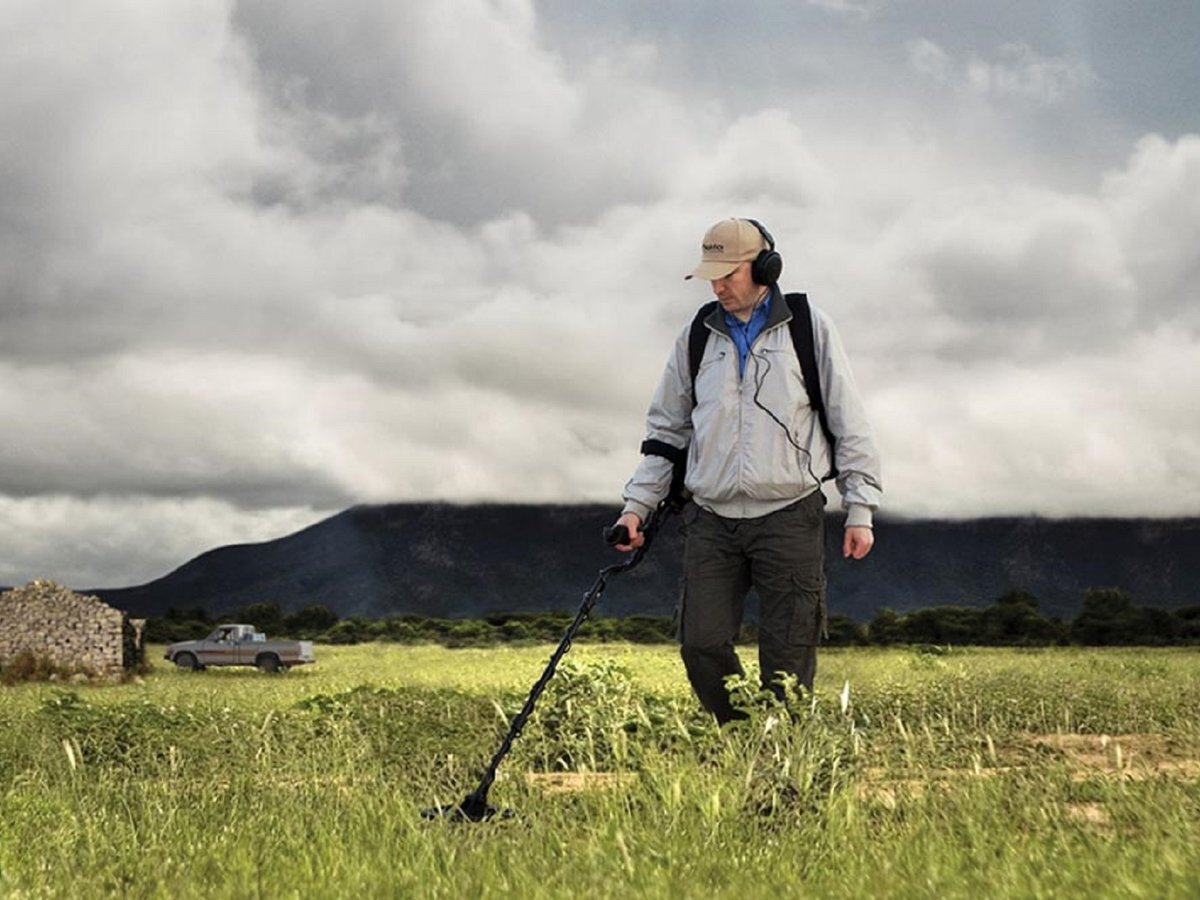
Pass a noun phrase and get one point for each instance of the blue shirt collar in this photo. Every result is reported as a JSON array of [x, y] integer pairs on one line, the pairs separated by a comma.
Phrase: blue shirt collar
[[744, 333]]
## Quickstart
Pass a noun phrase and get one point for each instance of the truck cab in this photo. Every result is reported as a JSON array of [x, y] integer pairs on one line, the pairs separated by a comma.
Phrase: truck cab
[[229, 645]]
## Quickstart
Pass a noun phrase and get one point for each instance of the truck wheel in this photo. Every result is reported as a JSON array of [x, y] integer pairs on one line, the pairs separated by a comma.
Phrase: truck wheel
[[267, 662], [187, 661]]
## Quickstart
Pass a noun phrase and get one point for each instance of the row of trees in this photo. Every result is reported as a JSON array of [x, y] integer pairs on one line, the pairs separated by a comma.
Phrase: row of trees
[[322, 624], [1108, 617]]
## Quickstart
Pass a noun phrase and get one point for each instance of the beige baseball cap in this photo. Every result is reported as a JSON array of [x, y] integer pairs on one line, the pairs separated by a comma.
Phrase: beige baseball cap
[[725, 245]]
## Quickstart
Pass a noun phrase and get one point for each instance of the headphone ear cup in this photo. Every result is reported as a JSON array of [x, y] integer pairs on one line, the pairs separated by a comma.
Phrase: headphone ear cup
[[767, 267]]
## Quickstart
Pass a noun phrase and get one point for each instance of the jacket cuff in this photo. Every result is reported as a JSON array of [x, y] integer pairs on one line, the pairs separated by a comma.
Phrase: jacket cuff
[[641, 510], [858, 515]]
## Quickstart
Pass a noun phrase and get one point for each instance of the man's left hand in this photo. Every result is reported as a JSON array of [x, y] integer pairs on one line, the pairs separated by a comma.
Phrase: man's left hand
[[857, 542]]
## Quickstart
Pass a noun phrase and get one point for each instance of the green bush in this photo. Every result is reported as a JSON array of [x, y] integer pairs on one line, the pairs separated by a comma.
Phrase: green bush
[[30, 666]]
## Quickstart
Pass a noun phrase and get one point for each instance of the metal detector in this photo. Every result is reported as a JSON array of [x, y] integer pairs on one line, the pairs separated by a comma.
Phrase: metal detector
[[475, 807]]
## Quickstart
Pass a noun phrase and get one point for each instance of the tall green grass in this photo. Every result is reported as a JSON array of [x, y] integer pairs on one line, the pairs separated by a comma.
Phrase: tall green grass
[[908, 773]]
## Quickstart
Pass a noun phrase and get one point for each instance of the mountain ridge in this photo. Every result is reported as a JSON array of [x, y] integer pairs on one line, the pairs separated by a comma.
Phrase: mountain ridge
[[450, 560]]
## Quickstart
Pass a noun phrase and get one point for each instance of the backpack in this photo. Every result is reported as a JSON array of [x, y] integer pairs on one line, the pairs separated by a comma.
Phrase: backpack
[[801, 327]]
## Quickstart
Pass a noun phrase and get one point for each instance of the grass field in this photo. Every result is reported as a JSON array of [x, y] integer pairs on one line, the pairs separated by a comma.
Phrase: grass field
[[910, 773]]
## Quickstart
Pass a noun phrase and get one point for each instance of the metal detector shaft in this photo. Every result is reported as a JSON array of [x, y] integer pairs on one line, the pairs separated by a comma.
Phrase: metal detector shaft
[[475, 806]]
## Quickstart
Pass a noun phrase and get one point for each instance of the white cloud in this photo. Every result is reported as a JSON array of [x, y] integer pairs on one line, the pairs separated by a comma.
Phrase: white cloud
[[1019, 71], [1021, 272], [248, 429], [1085, 435], [759, 158], [1016, 71], [480, 62], [927, 58], [1155, 203], [493, 118], [99, 542], [855, 9]]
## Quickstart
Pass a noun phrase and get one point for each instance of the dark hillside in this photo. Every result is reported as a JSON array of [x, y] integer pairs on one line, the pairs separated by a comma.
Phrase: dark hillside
[[451, 561]]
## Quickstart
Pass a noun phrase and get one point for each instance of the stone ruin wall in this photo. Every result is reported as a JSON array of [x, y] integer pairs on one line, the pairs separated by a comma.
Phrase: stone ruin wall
[[77, 632]]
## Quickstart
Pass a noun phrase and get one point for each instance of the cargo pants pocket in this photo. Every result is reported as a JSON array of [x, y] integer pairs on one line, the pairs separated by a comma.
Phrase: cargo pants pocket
[[808, 619]]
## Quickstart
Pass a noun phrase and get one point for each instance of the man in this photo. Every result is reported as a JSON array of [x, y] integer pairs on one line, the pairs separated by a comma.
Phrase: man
[[756, 453]]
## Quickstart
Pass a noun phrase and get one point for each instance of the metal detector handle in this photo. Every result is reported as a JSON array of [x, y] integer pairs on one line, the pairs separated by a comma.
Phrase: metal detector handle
[[616, 534], [619, 534]]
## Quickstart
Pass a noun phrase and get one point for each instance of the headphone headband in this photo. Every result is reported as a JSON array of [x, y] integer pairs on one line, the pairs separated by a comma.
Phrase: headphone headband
[[768, 265], [763, 231]]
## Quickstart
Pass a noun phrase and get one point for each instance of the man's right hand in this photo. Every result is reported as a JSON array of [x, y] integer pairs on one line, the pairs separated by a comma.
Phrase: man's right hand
[[633, 524]]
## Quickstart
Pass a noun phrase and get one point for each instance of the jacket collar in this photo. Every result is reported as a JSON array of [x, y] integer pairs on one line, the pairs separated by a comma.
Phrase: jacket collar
[[779, 313]]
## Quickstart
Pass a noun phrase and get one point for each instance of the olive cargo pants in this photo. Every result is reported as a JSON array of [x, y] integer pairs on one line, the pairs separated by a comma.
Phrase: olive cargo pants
[[782, 556]]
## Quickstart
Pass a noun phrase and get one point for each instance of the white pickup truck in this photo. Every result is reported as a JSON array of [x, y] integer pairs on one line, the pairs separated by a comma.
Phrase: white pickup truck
[[239, 645]]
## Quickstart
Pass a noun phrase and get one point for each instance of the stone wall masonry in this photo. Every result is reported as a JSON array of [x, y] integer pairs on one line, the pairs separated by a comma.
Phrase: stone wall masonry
[[75, 631]]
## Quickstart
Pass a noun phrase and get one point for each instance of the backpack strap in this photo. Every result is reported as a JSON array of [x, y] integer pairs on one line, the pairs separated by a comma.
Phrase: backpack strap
[[697, 339], [801, 326]]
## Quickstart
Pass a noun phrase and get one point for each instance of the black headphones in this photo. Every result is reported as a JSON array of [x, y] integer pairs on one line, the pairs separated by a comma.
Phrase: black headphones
[[768, 265]]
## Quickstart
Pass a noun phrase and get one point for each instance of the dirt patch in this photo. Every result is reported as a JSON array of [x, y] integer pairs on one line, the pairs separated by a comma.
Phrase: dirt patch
[[1132, 756], [1092, 815], [576, 782]]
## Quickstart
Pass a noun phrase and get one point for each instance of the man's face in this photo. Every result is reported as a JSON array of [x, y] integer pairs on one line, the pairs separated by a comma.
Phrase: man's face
[[737, 292]]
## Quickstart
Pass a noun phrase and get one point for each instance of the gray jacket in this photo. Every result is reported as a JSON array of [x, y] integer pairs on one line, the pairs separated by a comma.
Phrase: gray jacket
[[741, 463]]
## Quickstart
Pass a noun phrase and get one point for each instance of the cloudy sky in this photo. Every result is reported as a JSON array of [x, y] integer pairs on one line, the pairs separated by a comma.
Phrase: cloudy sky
[[261, 261]]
